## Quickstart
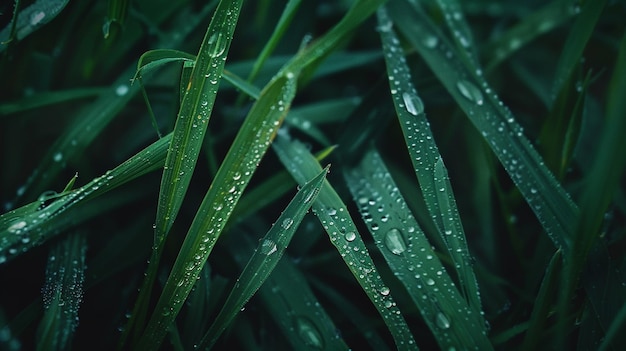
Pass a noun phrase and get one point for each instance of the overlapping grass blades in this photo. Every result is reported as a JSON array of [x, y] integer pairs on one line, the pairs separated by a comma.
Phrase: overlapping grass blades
[[465, 83], [235, 172], [39, 221], [336, 220], [453, 321], [427, 161], [269, 251]]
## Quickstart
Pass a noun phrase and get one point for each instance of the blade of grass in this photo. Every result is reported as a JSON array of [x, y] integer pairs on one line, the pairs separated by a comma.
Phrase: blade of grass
[[452, 319], [48, 98], [427, 163], [62, 293], [33, 224], [602, 181], [188, 135], [546, 197], [342, 231], [30, 19], [241, 161], [271, 248]]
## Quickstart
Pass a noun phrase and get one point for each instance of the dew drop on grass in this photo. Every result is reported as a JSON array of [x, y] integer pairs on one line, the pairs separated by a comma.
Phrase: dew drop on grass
[[36, 17], [217, 44], [431, 41], [309, 334], [287, 222], [268, 247], [17, 226], [394, 241], [57, 157], [121, 90], [385, 291], [442, 321], [470, 91], [350, 236], [413, 104]]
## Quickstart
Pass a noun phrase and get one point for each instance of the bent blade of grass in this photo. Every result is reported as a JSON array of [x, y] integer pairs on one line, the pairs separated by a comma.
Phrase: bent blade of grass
[[62, 293], [335, 218], [427, 162], [92, 119], [271, 248], [33, 224], [547, 198], [451, 319], [153, 59]]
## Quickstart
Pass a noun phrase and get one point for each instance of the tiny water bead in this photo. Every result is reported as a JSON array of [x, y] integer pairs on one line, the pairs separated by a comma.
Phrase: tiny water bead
[[57, 157], [470, 91]]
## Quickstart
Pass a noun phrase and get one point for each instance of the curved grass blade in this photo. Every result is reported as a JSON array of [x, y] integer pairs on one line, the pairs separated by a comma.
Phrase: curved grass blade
[[334, 216], [546, 197], [452, 319], [153, 59], [91, 120], [30, 19], [62, 293], [116, 16], [427, 163], [33, 224], [271, 248]]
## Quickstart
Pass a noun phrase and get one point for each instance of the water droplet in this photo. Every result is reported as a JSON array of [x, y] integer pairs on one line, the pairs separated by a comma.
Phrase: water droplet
[[431, 41], [470, 91], [385, 291], [430, 282], [350, 236], [268, 247], [16, 226], [287, 222], [57, 157], [217, 43], [36, 17], [413, 103], [395, 241], [121, 90], [309, 334], [442, 321]]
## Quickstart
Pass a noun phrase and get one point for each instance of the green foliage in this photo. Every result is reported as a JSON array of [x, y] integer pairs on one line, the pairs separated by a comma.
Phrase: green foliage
[[475, 199]]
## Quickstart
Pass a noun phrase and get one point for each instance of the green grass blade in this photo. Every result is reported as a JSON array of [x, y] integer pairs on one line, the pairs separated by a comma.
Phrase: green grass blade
[[427, 163], [237, 169], [62, 293], [116, 16], [271, 248], [453, 322], [194, 114], [33, 224], [153, 59], [286, 17], [335, 218], [48, 98], [548, 200], [31, 19], [576, 41]]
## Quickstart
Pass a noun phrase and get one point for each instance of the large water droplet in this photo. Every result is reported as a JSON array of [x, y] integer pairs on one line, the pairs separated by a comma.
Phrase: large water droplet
[[16, 226], [121, 90], [309, 334], [470, 91], [350, 236], [57, 157], [217, 43], [395, 241], [413, 103], [268, 247], [36, 17], [287, 222], [442, 321]]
